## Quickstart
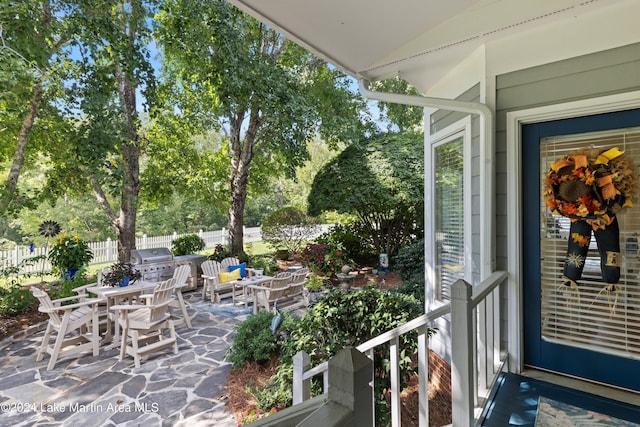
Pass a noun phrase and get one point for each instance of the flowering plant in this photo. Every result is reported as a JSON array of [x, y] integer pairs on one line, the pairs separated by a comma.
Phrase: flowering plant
[[118, 272], [325, 258], [69, 252]]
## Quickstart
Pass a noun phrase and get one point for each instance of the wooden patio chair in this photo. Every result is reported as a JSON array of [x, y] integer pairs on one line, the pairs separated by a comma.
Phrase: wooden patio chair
[[228, 262], [283, 274], [76, 326], [141, 323], [296, 287], [181, 275], [211, 278], [264, 296]]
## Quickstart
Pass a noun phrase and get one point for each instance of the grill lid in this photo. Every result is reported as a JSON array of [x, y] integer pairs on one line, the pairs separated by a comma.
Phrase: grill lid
[[145, 256]]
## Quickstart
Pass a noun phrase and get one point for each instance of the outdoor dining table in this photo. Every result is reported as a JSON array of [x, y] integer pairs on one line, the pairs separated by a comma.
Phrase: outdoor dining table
[[243, 285], [114, 296]]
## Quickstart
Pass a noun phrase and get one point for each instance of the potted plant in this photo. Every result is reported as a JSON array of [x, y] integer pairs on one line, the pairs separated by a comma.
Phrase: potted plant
[[121, 274], [315, 286], [68, 254], [186, 245]]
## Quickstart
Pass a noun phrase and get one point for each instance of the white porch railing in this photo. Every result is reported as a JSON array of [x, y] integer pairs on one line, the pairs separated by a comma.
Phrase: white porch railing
[[475, 348]]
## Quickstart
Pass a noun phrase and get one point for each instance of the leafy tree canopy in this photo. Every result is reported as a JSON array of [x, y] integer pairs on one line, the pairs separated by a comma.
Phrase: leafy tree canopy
[[268, 95]]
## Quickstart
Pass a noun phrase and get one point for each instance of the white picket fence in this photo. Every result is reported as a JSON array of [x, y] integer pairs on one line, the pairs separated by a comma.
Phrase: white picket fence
[[107, 251]]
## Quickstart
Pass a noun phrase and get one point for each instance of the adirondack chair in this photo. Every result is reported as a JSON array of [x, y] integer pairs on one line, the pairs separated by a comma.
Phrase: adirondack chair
[[264, 296], [296, 287], [283, 274], [210, 275], [181, 274], [144, 322], [228, 262], [76, 326]]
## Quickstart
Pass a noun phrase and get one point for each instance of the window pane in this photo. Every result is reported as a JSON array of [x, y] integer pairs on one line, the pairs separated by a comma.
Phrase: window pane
[[449, 211]]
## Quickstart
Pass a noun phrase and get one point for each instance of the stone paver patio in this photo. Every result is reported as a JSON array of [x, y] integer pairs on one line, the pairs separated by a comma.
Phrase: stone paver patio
[[172, 390]]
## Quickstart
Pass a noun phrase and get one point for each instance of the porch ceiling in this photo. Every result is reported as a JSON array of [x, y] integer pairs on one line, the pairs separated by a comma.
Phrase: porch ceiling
[[377, 39]]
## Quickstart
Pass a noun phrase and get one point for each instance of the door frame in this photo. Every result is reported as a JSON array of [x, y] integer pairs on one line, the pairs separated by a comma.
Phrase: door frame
[[515, 120]]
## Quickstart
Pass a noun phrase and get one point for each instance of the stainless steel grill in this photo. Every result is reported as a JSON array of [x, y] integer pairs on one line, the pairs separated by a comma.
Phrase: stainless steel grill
[[155, 264], [194, 261]]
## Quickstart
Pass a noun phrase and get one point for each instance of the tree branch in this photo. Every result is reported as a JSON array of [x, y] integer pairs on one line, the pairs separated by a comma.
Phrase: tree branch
[[102, 200]]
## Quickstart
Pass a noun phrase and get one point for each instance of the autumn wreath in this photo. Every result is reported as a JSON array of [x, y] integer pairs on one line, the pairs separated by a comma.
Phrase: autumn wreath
[[590, 185]]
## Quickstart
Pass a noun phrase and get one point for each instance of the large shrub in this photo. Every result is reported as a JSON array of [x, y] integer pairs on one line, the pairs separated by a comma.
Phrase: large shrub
[[381, 181], [409, 263], [339, 320], [188, 244], [288, 228], [254, 340], [15, 298], [353, 238]]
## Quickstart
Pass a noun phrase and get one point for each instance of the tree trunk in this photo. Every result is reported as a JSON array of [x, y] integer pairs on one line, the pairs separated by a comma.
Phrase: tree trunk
[[11, 185], [241, 156], [126, 229], [236, 212]]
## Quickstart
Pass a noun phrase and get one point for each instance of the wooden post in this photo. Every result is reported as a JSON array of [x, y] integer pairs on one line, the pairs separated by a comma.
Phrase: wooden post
[[349, 385], [462, 339], [301, 388]]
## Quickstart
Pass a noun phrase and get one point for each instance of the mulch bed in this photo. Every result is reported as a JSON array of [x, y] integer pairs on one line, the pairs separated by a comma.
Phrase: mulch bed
[[10, 325]]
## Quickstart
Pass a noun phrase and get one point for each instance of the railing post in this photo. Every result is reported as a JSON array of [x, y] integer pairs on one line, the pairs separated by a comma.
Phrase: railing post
[[462, 338], [349, 384], [301, 388], [423, 376], [394, 376]]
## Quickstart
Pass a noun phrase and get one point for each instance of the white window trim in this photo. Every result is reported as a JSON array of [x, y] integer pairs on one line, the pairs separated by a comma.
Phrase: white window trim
[[461, 128], [515, 120]]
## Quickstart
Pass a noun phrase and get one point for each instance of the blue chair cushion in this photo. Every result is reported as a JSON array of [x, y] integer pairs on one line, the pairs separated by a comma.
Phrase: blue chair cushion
[[242, 267]]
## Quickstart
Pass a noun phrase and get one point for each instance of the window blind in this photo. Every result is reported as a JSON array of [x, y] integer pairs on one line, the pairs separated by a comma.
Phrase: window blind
[[449, 211], [591, 317]]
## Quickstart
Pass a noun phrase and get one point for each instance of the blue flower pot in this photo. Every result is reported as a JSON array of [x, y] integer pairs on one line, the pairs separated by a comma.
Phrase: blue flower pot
[[124, 282], [70, 274]]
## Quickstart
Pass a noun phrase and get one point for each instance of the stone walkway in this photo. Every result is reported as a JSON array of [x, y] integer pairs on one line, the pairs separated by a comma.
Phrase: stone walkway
[[186, 389]]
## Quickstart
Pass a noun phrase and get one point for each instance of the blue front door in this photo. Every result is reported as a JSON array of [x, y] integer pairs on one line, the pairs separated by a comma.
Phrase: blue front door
[[584, 331]]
